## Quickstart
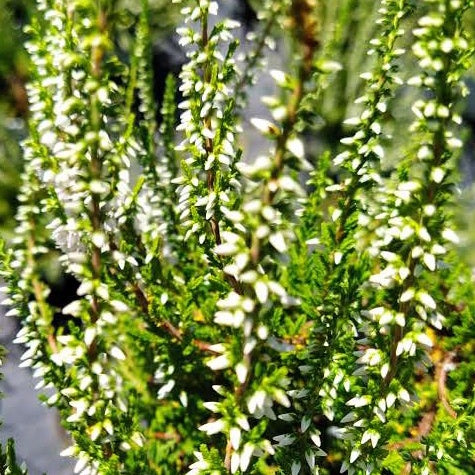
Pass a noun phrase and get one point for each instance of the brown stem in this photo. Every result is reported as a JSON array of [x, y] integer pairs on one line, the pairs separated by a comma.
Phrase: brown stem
[[441, 378], [166, 436], [38, 292], [227, 458], [268, 195], [166, 324], [269, 191], [423, 429], [95, 169], [426, 423]]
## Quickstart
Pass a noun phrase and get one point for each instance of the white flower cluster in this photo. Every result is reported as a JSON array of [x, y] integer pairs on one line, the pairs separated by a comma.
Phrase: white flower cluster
[[261, 223], [411, 238], [246, 236], [360, 166], [207, 122], [76, 173]]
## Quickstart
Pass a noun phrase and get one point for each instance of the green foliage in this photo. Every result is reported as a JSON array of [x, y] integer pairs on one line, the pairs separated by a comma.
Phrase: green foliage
[[229, 318], [8, 463]]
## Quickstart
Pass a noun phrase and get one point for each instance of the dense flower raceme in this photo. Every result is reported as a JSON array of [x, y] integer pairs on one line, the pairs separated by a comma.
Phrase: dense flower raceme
[[230, 318], [411, 243]]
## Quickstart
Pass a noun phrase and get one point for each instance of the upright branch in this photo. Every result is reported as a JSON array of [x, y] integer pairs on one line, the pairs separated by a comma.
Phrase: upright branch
[[413, 243]]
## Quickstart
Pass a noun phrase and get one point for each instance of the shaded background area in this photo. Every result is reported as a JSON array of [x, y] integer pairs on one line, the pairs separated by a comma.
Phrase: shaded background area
[[36, 429], [347, 26]]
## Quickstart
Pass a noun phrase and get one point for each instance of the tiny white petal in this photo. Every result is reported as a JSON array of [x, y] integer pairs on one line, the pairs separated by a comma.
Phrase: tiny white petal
[[235, 462], [450, 235], [337, 257], [264, 126], [241, 372], [295, 146], [235, 437], [220, 362], [117, 353], [262, 291], [246, 455], [278, 242], [429, 261], [295, 469], [212, 428], [355, 453]]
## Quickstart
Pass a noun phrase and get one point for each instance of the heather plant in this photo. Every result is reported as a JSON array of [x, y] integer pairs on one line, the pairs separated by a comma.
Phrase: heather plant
[[296, 312]]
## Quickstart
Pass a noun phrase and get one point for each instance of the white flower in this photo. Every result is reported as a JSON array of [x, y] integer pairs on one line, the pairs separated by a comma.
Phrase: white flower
[[213, 8], [378, 150], [117, 353], [235, 462], [265, 126], [262, 291], [429, 261], [350, 417], [315, 437], [165, 390], [310, 458], [256, 401], [450, 235], [359, 401], [235, 437], [69, 451], [337, 257], [226, 249], [89, 335], [388, 256], [119, 306], [390, 399], [426, 300], [107, 424], [243, 422], [95, 431], [295, 469], [279, 76], [227, 318], [284, 439], [212, 428], [262, 332], [370, 435], [211, 406], [437, 175], [246, 455], [220, 362], [407, 295], [355, 453], [241, 372], [199, 465], [404, 395], [295, 146], [82, 462], [424, 339], [278, 242]]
